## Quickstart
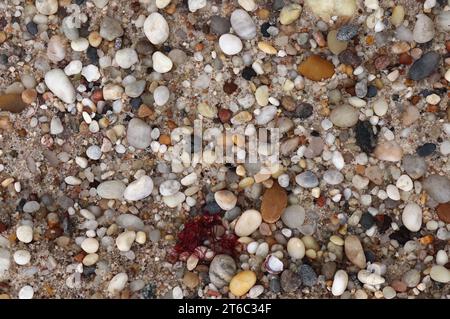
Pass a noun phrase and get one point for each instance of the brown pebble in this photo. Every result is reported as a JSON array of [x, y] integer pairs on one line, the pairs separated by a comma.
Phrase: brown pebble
[[29, 96], [443, 212], [316, 68], [145, 111], [399, 286], [12, 103], [288, 103], [274, 201], [230, 87], [164, 139], [405, 59], [224, 115], [382, 62], [191, 280]]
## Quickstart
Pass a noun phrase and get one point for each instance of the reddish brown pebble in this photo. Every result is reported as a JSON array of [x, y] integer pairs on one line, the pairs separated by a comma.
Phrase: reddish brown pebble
[[316, 68], [29, 96], [274, 201], [164, 139], [12, 103], [97, 96], [230, 87], [399, 286], [405, 59], [382, 62], [225, 115], [443, 212]]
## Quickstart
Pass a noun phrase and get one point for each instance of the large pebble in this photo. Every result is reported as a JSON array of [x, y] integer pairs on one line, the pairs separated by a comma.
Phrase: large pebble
[[130, 222], [117, 283], [225, 199], [333, 177], [222, 270], [169, 187], [274, 201], [354, 251], [138, 133], [316, 68], [58, 82], [438, 187], [293, 216], [412, 217], [415, 166], [24, 233], [327, 8], [340, 282], [156, 28], [111, 189], [110, 29], [248, 222], [242, 282], [424, 66], [126, 57], [230, 44], [243, 24], [296, 248], [423, 29], [47, 7], [290, 13], [56, 126], [161, 95], [389, 151], [90, 245], [139, 189], [125, 240], [173, 201], [21, 257], [161, 62], [344, 116], [440, 274], [366, 277], [307, 179]]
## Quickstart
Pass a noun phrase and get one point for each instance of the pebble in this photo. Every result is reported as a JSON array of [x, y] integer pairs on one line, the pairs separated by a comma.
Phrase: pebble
[[125, 240], [425, 66], [46, 7], [31, 207], [333, 177], [94, 152], [221, 270], [347, 32], [161, 95], [24, 233], [344, 116], [438, 187], [111, 189], [414, 166], [138, 134], [110, 29], [117, 283], [441, 257], [316, 68], [129, 222], [412, 217], [90, 73], [426, 149], [225, 199], [308, 275], [230, 44], [248, 222], [255, 291], [90, 245], [290, 281], [404, 183], [443, 212], [334, 45], [219, 25], [440, 274], [161, 62], [242, 24], [22, 257], [242, 282], [354, 251], [411, 278], [195, 5], [423, 29], [293, 216], [274, 201], [296, 248], [307, 179], [125, 58], [389, 151], [26, 292], [170, 187], [58, 82], [340, 282], [139, 189], [290, 13], [369, 278], [389, 292]]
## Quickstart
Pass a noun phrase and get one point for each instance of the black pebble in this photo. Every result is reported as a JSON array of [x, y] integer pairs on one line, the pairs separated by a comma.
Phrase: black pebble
[[3, 59], [212, 208], [426, 149], [264, 27], [384, 223], [248, 73], [365, 137], [136, 102], [367, 220], [370, 256], [80, 2], [402, 235], [371, 91], [303, 110], [92, 55], [32, 28]]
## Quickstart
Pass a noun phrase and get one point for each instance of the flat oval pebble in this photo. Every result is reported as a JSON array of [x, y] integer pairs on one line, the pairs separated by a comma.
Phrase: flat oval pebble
[[111, 189], [138, 133], [354, 251], [293, 216], [242, 24], [440, 274], [316, 68], [412, 217], [156, 28], [58, 82], [340, 282], [344, 116], [125, 240], [225, 199], [247, 223], [139, 189], [307, 179], [242, 282], [117, 283], [230, 44], [438, 187], [222, 270], [296, 248], [274, 202]]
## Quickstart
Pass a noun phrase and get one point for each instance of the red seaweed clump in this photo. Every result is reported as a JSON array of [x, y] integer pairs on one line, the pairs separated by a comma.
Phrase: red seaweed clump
[[201, 228]]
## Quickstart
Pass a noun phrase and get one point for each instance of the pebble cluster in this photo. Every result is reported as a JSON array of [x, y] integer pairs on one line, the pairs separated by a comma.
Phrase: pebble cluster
[[99, 198]]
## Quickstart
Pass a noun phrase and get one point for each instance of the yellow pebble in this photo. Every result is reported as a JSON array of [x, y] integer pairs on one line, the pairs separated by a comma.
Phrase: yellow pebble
[[242, 282], [267, 47]]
